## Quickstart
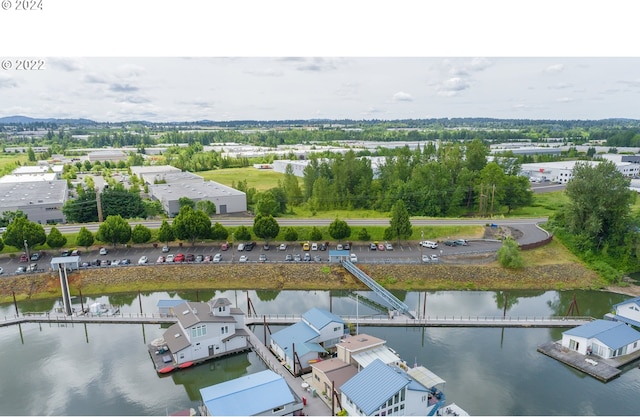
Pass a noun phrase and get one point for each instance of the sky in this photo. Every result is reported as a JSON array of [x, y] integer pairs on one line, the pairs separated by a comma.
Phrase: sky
[[456, 59]]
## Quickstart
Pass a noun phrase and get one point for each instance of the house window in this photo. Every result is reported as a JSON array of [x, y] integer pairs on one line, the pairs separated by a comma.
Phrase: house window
[[277, 409], [336, 329], [402, 394], [224, 329], [635, 345], [198, 331]]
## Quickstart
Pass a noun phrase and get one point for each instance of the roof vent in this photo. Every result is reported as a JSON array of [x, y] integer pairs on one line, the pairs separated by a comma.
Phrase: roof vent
[[185, 312], [177, 335]]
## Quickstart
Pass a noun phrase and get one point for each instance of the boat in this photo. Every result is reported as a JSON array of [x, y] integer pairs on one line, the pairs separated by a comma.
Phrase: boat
[[452, 410], [166, 369], [185, 365]]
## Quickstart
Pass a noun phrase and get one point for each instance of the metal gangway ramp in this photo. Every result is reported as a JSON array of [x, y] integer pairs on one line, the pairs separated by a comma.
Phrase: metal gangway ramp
[[391, 299]]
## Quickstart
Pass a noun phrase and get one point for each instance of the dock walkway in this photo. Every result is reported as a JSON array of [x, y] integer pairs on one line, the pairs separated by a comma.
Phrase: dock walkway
[[315, 406], [600, 368]]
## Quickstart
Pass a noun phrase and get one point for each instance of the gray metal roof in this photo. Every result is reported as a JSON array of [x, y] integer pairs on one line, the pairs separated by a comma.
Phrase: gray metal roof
[[373, 386], [612, 333], [33, 193], [175, 338]]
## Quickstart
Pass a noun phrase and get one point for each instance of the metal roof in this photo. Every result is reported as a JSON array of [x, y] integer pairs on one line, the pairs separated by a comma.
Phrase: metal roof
[[425, 376], [613, 334], [169, 303], [635, 301], [381, 353], [373, 386], [248, 395], [299, 333], [319, 318]]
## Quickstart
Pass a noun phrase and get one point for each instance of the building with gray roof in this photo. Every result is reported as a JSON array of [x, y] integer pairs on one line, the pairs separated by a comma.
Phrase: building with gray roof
[[226, 199], [41, 201]]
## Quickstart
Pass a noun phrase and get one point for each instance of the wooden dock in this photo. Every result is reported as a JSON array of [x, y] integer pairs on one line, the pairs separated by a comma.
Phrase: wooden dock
[[602, 369]]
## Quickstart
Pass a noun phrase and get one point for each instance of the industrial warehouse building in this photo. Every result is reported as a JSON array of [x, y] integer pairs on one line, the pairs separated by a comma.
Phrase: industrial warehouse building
[[41, 201], [168, 184]]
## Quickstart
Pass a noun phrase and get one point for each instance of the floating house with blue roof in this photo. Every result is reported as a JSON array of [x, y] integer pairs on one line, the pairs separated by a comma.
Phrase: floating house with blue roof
[[260, 394], [307, 341], [381, 389], [627, 312], [604, 338]]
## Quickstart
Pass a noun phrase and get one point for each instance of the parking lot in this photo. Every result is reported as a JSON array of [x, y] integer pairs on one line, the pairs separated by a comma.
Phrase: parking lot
[[205, 253]]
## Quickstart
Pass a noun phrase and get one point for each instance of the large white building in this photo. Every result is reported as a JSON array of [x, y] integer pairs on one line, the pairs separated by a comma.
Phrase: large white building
[[562, 171], [41, 201]]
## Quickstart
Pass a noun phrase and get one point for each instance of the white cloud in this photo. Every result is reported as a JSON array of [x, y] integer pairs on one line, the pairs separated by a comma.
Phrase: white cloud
[[556, 68], [6, 81], [402, 96], [64, 64], [452, 86]]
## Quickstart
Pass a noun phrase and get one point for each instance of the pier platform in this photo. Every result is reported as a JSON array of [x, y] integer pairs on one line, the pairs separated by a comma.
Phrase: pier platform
[[599, 368]]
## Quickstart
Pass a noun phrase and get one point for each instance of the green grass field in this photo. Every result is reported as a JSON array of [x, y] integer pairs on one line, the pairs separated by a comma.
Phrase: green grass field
[[260, 179]]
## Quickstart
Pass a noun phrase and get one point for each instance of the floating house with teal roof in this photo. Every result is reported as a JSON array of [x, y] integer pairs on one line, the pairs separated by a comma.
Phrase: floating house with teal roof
[[604, 338], [306, 342]]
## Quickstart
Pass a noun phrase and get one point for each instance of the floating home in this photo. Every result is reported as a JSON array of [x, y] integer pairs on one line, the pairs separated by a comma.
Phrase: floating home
[[203, 331]]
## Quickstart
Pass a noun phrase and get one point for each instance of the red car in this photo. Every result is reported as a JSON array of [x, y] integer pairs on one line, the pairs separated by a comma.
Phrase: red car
[[224, 246], [179, 258], [24, 258]]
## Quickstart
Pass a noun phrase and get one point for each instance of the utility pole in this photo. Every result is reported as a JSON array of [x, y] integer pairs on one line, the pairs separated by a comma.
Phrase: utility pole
[[100, 219], [493, 193]]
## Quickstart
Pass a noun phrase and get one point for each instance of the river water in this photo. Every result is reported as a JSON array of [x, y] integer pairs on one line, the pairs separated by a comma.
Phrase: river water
[[106, 370]]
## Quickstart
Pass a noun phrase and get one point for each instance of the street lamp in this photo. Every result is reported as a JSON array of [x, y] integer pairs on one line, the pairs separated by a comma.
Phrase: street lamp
[[26, 249], [422, 236], [233, 237]]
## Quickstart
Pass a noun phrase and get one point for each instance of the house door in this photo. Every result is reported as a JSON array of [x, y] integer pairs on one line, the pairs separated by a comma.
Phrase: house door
[[223, 209], [210, 350]]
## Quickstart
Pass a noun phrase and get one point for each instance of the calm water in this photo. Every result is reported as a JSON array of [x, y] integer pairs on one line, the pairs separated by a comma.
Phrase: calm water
[[106, 370]]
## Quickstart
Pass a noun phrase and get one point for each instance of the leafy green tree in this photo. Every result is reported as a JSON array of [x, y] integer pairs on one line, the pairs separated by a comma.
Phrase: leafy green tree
[[339, 229], [165, 233], [83, 209], [509, 254], [242, 233], [219, 232], [291, 187], [114, 230], [400, 223], [517, 192], [267, 204], [266, 227], [140, 234], [476, 155], [191, 224], [315, 234], [31, 155], [9, 216], [116, 200], [1, 244], [599, 204], [206, 206], [186, 201], [85, 238], [290, 234], [152, 208], [21, 230], [363, 235], [55, 239]]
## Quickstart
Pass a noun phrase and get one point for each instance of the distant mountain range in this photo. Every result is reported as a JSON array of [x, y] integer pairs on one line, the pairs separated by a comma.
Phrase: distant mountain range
[[25, 120]]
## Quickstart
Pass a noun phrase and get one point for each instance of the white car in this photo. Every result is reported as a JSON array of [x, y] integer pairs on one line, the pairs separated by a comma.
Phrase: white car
[[103, 251], [429, 244], [169, 258], [1, 270], [243, 259], [314, 246], [240, 247], [283, 246], [143, 260], [165, 248], [388, 246], [217, 257], [339, 246], [353, 258]]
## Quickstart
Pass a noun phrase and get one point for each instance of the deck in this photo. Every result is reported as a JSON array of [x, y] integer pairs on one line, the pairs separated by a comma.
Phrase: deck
[[602, 369]]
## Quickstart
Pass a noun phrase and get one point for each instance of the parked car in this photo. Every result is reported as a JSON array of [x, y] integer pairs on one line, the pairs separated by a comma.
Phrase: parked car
[[297, 257], [21, 269], [429, 244], [240, 247], [189, 257], [165, 249], [425, 258], [217, 257], [262, 258], [353, 258], [65, 252], [199, 258], [160, 259], [373, 246], [243, 259], [24, 258], [125, 261], [105, 262], [75, 252], [288, 258], [347, 246], [380, 246], [324, 245], [224, 246], [388, 246], [35, 256], [266, 246], [317, 258], [143, 260], [461, 242], [178, 258], [249, 246], [32, 268], [103, 251], [283, 246], [115, 262], [306, 246], [339, 246], [1, 270], [209, 258], [307, 257], [434, 258], [169, 258], [450, 243], [314, 246]]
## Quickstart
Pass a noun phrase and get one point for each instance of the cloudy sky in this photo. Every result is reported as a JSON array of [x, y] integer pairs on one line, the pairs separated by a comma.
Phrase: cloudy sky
[[189, 89]]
